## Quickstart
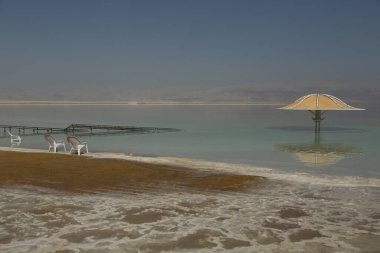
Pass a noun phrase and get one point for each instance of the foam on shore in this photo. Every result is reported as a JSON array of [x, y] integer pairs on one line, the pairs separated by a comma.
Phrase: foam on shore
[[269, 173], [281, 218]]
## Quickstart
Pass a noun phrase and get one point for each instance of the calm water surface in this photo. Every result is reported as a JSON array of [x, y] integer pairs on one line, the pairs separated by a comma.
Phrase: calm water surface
[[256, 135]]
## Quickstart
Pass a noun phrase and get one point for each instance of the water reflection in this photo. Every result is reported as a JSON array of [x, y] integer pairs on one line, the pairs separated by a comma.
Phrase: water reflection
[[312, 129], [15, 144], [317, 154]]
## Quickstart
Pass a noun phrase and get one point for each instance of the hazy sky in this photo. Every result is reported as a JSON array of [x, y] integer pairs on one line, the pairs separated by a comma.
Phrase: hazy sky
[[189, 44]]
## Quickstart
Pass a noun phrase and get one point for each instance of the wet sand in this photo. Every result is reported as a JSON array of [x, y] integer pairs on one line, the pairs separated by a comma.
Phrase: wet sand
[[84, 174]]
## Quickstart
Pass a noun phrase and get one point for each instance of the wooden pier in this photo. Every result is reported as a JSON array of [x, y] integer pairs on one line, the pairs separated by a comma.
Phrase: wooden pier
[[85, 129]]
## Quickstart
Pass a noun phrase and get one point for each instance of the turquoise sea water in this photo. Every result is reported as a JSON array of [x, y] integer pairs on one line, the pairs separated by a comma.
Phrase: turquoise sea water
[[348, 144]]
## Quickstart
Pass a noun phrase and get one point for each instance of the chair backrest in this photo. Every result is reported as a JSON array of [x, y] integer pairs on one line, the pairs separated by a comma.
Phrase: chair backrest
[[74, 141], [49, 139]]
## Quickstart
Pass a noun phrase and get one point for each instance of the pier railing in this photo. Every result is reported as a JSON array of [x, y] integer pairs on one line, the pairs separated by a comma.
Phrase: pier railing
[[85, 129]]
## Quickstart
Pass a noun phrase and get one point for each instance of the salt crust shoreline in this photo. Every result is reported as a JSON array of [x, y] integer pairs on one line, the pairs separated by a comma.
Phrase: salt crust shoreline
[[239, 169]]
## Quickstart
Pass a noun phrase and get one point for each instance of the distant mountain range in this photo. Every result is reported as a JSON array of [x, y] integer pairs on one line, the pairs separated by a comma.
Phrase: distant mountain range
[[187, 95]]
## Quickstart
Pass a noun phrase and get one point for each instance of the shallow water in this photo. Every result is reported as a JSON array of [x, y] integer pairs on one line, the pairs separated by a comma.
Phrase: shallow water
[[253, 135]]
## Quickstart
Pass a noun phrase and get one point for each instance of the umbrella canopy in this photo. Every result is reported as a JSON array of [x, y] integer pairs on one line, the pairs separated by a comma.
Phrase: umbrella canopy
[[319, 102]]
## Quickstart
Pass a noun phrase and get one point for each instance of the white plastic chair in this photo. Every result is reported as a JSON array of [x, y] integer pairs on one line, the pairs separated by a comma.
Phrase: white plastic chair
[[15, 139], [76, 144], [53, 144]]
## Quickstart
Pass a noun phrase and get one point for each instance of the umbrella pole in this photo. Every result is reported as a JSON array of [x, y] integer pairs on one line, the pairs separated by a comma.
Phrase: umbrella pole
[[317, 120], [317, 137]]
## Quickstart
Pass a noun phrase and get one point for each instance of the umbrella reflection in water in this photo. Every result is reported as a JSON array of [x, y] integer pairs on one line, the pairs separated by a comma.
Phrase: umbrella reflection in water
[[317, 154]]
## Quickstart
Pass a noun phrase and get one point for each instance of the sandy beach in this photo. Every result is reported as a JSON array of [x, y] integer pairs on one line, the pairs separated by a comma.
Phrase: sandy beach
[[86, 174]]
